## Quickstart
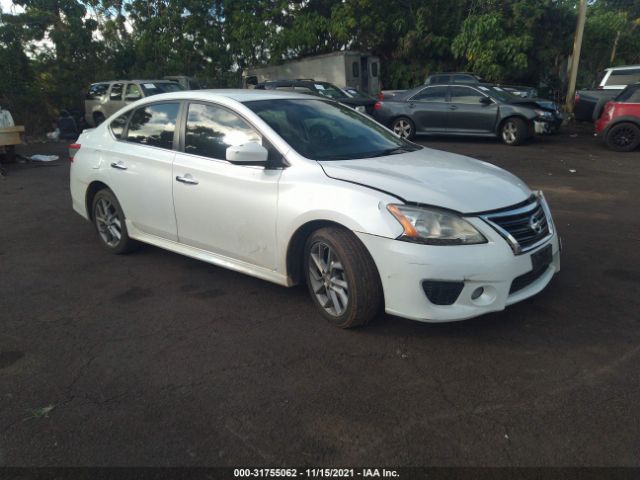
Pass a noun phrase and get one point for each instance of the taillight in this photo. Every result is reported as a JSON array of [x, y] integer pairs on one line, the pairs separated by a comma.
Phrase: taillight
[[73, 149], [380, 96], [600, 87], [377, 106], [576, 98]]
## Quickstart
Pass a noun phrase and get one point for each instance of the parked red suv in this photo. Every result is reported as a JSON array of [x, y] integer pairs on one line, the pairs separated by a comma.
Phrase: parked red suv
[[619, 123]]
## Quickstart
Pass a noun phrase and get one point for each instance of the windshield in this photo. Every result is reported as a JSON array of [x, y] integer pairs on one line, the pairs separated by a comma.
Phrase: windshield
[[328, 90], [323, 130], [153, 88], [498, 93]]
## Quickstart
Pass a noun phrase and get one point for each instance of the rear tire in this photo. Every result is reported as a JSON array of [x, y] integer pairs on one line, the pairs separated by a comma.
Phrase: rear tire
[[514, 131], [623, 137], [342, 278], [109, 221], [404, 127]]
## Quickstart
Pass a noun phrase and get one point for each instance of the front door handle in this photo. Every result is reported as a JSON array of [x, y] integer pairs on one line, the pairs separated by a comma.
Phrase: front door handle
[[188, 179], [119, 166], [453, 107]]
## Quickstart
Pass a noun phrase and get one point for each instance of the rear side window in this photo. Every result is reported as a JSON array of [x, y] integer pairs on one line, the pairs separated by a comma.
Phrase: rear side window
[[116, 92], [117, 125], [97, 90], [464, 79], [211, 130], [432, 94], [629, 95], [154, 125], [624, 77]]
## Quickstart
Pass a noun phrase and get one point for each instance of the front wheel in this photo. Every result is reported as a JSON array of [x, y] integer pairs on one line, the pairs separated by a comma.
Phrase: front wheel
[[109, 221], [514, 131], [623, 137], [404, 128], [342, 278]]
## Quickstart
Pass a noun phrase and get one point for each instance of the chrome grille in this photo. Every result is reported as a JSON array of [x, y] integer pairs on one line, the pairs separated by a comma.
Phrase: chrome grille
[[524, 226]]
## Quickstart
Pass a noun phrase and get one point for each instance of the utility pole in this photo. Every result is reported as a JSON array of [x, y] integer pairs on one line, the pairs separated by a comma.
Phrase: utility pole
[[575, 58]]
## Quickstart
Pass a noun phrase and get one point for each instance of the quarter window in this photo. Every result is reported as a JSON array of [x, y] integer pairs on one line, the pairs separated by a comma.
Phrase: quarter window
[[211, 130], [432, 94], [133, 92], [154, 125], [465, 95], [117, 125], [116, 91], [97, 90], [629, 95]]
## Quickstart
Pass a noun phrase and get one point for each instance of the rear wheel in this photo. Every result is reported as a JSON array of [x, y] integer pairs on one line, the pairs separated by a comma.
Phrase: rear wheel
[[109, 221], [514, 131], [404, 128], [342, 279], [623, 137]]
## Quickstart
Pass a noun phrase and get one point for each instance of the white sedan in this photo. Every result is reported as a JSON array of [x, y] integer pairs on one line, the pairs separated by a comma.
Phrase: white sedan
[[296, 189]]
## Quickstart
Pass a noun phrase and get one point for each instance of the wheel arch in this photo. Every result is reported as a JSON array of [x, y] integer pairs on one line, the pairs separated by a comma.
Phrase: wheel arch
[[618, 121], [528, 121], [93, 188]]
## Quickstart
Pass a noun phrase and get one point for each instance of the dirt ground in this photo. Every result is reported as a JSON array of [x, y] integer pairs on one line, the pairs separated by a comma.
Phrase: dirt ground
[[157, 359]]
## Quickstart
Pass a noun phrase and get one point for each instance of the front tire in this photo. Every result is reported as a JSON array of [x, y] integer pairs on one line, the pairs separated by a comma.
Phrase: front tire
[[514, 131], [404, 128], [623, 137], [109, 221], [342, 278]]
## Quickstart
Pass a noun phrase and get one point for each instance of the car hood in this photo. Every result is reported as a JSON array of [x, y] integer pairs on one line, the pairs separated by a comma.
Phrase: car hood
[[536, 103], [436, 178]]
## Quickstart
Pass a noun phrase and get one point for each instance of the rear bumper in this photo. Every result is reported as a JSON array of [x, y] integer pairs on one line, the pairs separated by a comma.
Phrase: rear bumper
[[404, 266]]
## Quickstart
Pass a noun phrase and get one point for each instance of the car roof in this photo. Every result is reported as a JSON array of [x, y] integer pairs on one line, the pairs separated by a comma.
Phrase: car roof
[[626, 67], [135, 80], [238, 94]]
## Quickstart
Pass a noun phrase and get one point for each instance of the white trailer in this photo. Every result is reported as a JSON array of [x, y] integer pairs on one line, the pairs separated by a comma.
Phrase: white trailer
[[344, 69]]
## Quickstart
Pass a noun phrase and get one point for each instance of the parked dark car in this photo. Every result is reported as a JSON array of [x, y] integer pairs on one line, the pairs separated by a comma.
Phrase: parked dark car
[[619, 124], [588, 103], [361, 103], [467, 78], [479, 110]]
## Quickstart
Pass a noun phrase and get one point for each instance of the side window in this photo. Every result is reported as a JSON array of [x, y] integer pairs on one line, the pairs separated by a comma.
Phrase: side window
[[303, 89], [133, 92], [97, 90], [624, 77], [440, 79], [432, 94], [629, 95], [116, 91], [154, 125], [284, 87], [118, 124], [464, 79], [355, 67], [374, 69], [465, 95], [211, 130]]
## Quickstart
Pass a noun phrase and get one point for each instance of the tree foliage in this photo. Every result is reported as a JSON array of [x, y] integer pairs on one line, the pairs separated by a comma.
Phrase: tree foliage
[[52, 49]]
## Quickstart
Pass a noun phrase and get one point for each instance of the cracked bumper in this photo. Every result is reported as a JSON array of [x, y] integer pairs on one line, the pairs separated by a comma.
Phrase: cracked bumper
[[404, 266]]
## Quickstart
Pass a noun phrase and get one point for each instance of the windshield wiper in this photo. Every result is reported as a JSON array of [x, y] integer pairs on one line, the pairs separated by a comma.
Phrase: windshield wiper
[[396, 150]]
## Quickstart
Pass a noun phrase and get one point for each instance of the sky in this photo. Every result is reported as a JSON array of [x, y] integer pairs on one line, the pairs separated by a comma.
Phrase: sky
[[5, 6]]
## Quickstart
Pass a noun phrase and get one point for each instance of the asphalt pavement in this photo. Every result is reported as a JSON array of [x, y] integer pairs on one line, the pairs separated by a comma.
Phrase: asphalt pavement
[[156, 359]]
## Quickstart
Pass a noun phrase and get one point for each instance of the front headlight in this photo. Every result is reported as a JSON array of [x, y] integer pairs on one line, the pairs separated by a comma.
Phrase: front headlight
[[434, 227], [543, 113]]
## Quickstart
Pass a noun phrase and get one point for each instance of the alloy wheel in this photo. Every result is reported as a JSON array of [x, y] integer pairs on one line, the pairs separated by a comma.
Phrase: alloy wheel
[[108, 223], [509, 132], [624, 136], [328, 279], [402, 128]]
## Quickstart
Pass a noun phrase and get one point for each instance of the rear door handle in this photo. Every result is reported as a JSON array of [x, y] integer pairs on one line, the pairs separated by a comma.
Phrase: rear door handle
[[119, 166], [452, 107], [188, 179]]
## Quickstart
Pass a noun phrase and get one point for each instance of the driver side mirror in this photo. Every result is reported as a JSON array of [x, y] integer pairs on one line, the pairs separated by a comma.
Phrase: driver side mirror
[[247, 153], [485, 101]]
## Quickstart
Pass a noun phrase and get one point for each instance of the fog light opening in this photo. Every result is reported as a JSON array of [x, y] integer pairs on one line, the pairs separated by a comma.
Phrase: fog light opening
[[476, 293]]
